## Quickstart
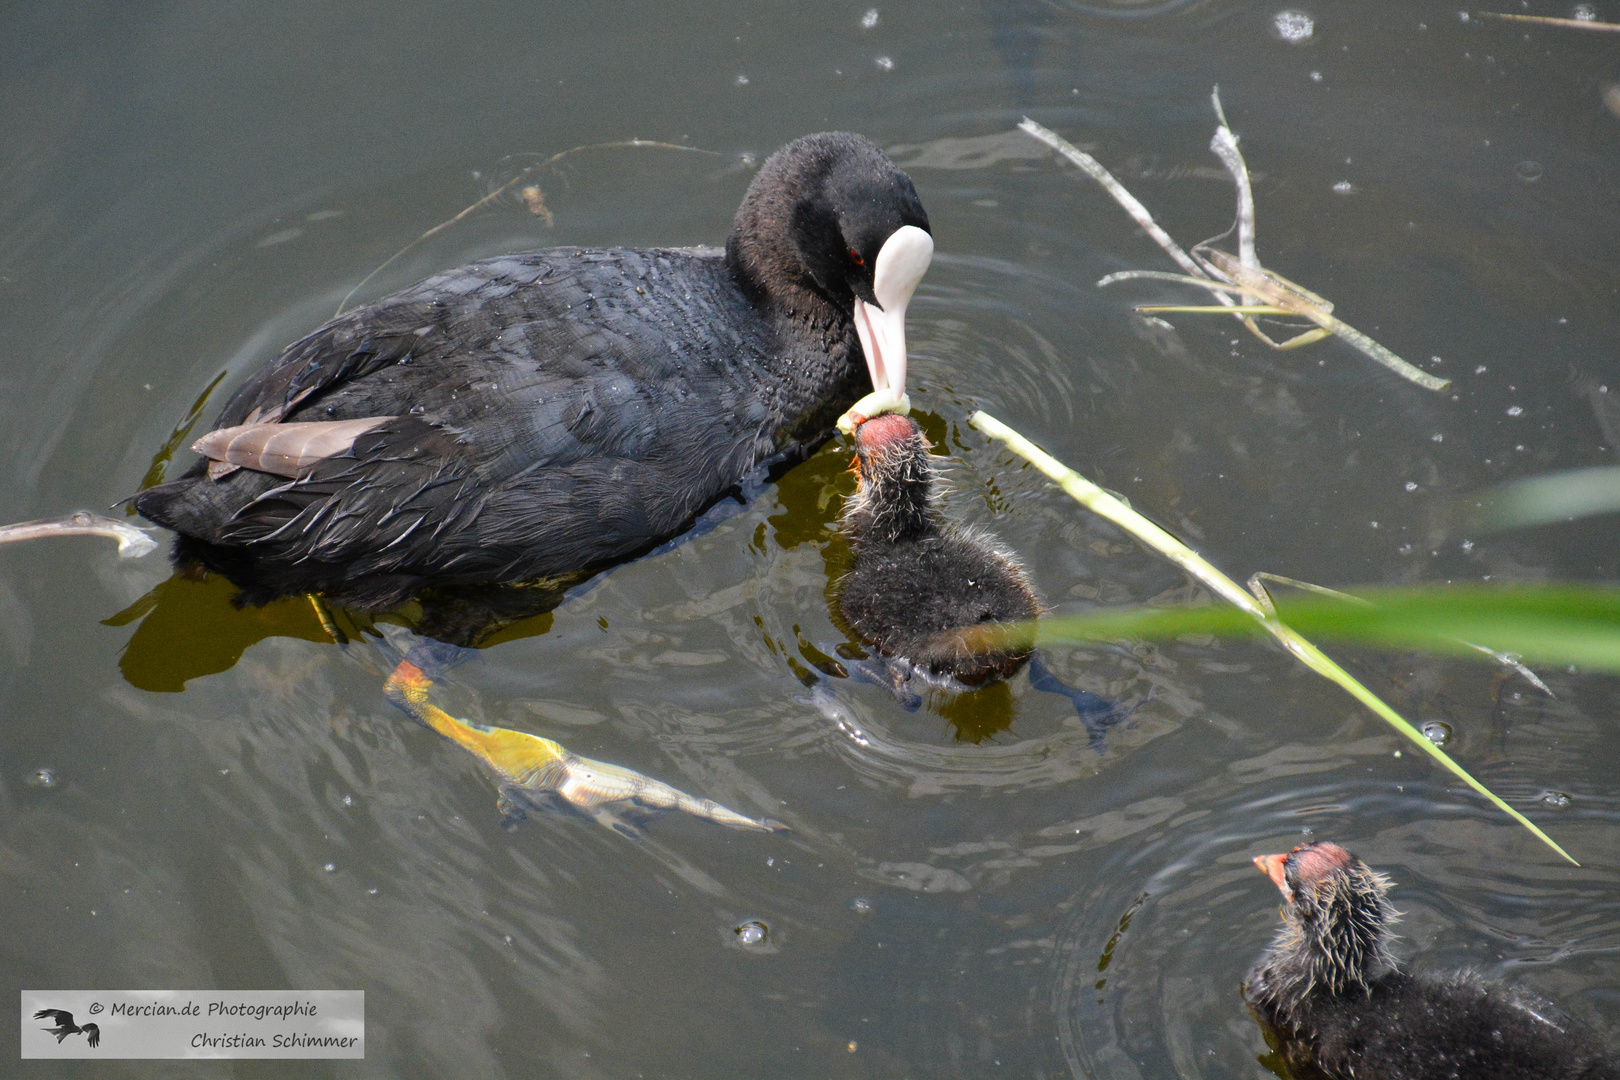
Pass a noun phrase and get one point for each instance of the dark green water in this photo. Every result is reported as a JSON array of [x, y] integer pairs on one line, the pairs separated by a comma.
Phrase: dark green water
[[185, 188]]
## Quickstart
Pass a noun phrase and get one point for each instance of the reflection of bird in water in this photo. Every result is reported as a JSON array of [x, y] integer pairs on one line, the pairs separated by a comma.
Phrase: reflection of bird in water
[[65, 1026], [1328, 990], [536, 772], [942, 605]]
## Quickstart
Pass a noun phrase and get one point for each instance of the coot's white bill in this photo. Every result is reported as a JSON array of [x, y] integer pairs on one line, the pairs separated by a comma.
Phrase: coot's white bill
[[900, 265]]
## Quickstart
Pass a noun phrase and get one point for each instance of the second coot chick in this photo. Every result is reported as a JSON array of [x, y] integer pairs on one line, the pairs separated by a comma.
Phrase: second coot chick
[[923, 592], [1329, 990]]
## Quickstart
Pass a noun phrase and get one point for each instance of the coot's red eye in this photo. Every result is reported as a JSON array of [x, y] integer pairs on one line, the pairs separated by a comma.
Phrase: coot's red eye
[[855, 257]]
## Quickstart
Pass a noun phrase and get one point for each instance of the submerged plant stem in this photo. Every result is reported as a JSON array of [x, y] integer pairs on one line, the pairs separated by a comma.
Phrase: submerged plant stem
[[504, 188], [1551, 20], [1120, 513]]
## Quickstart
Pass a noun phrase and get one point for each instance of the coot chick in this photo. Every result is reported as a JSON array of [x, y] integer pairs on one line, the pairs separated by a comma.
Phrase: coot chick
[[924, 593], [1329, 991], [531, 415]]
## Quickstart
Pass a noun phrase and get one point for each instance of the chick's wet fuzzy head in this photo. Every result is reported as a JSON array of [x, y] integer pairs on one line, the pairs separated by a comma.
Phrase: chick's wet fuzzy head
[[894, 481], [1336, 916]]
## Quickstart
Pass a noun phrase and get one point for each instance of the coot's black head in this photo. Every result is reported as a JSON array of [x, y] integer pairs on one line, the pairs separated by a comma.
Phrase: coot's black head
[[1336, 916], [894, 483], [833, 232]]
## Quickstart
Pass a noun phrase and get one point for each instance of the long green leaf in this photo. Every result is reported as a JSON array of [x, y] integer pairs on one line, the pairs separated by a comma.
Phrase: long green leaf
[[1550, 498], [1119, 511], [1540, 624]]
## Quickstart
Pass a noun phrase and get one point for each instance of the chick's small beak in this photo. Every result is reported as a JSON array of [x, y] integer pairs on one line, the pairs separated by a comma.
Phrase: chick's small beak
[[1274, 867], [881, 325]]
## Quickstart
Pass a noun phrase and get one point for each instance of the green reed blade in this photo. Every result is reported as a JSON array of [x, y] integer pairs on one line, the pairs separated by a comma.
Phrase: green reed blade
[[1118, 511]]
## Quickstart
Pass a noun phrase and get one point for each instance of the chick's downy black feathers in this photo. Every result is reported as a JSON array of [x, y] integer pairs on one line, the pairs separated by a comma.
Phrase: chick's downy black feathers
[[922, 590], [1328, 990]]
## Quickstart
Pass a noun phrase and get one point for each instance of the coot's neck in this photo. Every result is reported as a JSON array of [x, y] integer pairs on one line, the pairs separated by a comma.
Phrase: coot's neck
[[771, 285], [819, 370], [1334, 943], [894, 503], [766, 249]]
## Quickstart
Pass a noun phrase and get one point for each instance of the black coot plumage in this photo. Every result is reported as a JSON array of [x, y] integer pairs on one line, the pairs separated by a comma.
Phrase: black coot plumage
[[923, 592], [531, 415], [1329, 991]]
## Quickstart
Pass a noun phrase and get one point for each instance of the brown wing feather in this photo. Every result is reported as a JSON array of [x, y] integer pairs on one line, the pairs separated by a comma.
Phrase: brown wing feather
[[282, 449]]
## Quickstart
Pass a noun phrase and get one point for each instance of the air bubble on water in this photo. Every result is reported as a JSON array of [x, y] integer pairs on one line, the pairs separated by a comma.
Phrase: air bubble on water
[[1611, 98], [1411, 486], [1344, 187], [742, 80], [1515, 410], [884, 62], [1437, 437], [1585, 12], [1556, 799], [1294, 27], [42, 777], [329, 867], [1467, 546], [752, 932], [1437, 732], [870, 19], [1528, 171], [861, 905], [1480, 370], [1316, 76]]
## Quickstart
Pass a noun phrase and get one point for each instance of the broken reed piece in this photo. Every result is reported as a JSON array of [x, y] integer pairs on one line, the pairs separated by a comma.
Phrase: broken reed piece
[[132, 542], [1233, 280], [1551, 20], [1282, 297]]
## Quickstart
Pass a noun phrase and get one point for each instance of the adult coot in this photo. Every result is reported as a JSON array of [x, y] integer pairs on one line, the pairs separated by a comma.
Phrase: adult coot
[[531, 415], [929, 596], [1329, 990]]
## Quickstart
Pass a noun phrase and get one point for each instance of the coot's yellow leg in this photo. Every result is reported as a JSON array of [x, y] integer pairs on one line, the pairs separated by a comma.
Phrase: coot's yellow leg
[[329, 624]]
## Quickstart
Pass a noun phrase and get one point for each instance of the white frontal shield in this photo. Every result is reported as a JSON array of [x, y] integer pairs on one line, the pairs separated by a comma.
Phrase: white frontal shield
[[900, 265]]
